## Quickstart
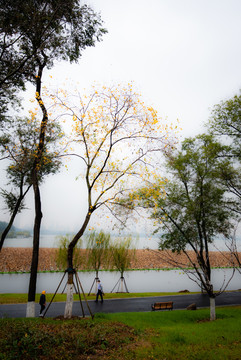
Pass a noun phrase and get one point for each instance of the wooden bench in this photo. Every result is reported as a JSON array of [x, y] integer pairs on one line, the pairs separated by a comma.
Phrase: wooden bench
[[168, 305]]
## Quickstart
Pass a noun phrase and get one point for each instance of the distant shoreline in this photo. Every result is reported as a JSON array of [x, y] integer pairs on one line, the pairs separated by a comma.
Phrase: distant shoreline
[[19, 260]]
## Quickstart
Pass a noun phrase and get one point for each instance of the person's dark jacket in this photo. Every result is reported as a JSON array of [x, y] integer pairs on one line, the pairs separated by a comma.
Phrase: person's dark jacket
[[42, 299]]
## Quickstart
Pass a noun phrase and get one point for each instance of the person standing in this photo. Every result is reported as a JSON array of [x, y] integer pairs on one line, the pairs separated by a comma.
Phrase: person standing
[[99, 291], [42, 302]]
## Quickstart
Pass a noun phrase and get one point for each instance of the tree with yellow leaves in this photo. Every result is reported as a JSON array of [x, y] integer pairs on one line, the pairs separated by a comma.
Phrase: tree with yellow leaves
[[119, 140]]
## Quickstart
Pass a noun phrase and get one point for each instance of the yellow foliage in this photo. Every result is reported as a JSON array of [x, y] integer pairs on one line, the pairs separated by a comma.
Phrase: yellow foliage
[[120, 139]]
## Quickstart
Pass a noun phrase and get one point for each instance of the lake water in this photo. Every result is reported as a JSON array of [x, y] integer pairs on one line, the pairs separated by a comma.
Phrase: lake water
[[136, 281], [51, 241], [151, 242]]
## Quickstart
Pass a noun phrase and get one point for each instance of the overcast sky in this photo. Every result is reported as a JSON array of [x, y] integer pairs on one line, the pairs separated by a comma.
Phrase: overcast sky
[[184, 56]]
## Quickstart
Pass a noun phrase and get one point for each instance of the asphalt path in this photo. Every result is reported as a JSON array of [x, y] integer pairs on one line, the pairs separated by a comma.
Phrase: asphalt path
[[124, 305]]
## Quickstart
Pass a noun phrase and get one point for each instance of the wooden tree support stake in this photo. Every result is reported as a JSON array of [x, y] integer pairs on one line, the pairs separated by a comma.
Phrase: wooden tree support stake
[[78, 283], [120, 281]]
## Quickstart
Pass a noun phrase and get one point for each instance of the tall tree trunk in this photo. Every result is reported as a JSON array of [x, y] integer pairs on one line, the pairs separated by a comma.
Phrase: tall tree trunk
[[38, 213], [96, 279], [70, 270], [36, 235], [70, 296], [212, 309]]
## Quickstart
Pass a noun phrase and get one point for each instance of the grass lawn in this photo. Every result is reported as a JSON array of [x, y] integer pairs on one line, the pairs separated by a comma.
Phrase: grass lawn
[[179, 334], [187, 335]]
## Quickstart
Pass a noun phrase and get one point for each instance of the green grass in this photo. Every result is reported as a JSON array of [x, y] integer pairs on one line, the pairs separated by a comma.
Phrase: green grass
[[187, 334], [23, 298], [180, 334]]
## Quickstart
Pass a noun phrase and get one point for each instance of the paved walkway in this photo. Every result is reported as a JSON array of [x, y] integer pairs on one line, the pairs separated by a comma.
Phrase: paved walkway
[[125, 305]]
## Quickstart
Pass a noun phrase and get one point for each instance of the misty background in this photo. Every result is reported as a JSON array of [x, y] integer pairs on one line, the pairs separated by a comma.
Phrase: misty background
[[182, 56]]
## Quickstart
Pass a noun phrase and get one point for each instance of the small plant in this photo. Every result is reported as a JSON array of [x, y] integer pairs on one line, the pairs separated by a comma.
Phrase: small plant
[[61, 258], [122, 256], [98, 252]]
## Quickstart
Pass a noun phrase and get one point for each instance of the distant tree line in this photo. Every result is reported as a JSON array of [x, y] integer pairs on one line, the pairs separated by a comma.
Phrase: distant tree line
[[13, 233]]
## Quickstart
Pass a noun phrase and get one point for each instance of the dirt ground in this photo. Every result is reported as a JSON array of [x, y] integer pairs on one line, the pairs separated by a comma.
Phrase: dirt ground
[[19, 259]]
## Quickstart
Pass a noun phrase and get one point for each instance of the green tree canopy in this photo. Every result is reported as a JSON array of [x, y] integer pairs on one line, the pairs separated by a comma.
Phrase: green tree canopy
[[18, 148], [40, 32], [225, 123], [194, 209]]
